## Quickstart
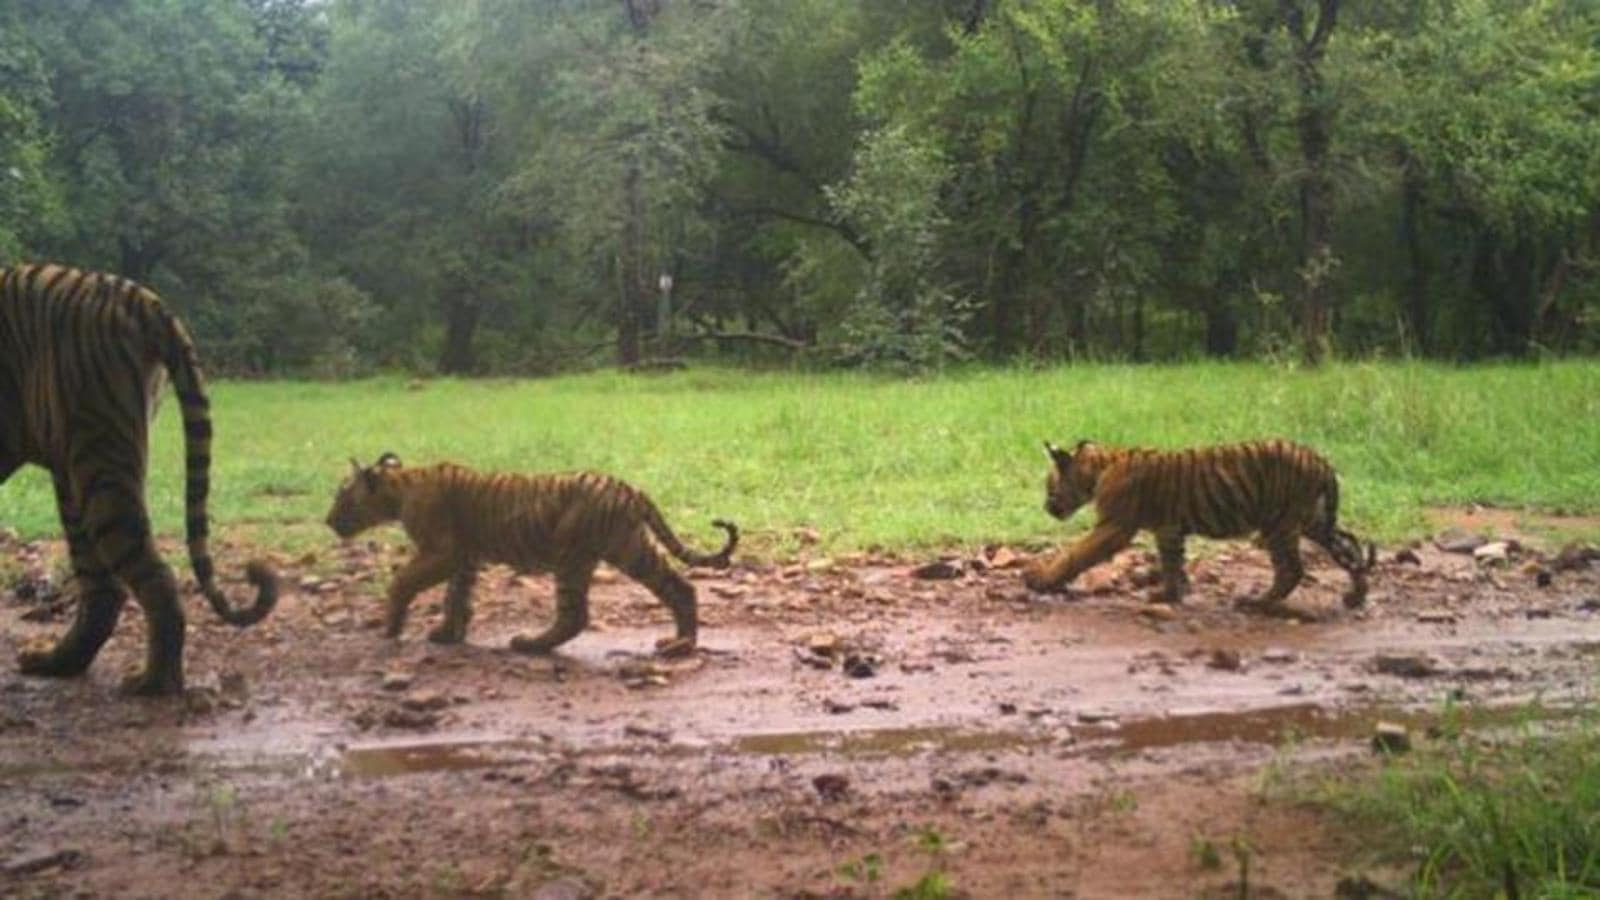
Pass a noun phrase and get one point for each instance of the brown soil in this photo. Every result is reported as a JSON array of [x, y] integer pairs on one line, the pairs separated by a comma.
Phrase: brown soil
[[1009, 744]]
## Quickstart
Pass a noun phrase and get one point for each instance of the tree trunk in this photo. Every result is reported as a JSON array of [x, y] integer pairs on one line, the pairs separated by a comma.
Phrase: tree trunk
[[1222, 326], [461, 316], [1418, 317], [1316, 186], [631, 289]]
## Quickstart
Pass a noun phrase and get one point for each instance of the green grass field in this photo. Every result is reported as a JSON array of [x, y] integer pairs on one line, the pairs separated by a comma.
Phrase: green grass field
[[952, 460]]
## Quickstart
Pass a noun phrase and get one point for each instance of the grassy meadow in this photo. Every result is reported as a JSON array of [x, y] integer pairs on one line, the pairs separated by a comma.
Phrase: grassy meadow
[[954, 460]]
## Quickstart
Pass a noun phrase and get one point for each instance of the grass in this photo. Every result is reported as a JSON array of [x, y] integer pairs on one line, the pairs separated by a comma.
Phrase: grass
[[1477, 818], [867, 461]]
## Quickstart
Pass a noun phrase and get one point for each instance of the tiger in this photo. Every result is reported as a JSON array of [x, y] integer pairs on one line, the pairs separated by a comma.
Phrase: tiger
[[459, 519], [83, 356], [1278, 488]]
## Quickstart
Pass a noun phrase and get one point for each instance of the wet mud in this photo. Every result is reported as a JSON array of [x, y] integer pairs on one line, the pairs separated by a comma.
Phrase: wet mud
[[847, 728]]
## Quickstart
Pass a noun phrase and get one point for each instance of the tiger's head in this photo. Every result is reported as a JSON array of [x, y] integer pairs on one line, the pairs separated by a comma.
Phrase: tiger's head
[[1067, 488], [369, 497]]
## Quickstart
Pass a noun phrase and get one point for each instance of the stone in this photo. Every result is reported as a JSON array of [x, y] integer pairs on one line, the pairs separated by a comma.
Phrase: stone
[[1454, 540], [1390, 738], [1492, 553], [938, 570], [831, 786], [824, 643], [1436, 617], [396, 680], [424, 701], [1407, 556], [1226, 660], [1575, 556], [1405, 665]]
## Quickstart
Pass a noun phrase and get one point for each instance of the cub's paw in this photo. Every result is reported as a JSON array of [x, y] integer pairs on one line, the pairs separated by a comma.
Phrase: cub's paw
[[532, 646], [1035, 578], [151, 685], [444, 634], [672, 647]]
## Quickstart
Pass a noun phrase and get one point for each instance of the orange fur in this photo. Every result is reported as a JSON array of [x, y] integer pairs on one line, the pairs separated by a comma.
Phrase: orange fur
[[460, 519], [1282, 490]]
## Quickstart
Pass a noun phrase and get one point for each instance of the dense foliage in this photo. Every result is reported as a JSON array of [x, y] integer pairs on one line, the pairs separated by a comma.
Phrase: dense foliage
[[501, 185]]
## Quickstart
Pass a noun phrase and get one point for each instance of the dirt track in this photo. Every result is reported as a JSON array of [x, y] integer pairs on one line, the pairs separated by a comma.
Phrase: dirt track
[[846, 730]]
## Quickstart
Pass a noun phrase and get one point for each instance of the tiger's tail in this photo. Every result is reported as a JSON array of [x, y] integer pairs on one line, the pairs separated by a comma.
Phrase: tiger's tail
[[718, 560], [178, 355], [1344, 546]]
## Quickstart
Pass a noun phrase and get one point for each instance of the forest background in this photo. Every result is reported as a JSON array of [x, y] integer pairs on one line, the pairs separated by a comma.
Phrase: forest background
[[333, 187]]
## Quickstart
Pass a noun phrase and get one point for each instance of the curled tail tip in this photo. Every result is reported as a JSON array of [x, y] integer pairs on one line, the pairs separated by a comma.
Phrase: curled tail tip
[[724, 557], [265, 581]]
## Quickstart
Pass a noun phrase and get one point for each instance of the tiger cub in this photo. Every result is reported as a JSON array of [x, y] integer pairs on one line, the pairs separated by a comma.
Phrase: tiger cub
[[460, 520], [1280, 489]]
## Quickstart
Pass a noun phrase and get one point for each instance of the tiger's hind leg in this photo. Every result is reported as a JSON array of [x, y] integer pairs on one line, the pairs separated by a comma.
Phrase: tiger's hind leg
[[1287, 570], [119, 532], [572, 610], [100, 600], [1174, 581], [647, 566], [457, 607]]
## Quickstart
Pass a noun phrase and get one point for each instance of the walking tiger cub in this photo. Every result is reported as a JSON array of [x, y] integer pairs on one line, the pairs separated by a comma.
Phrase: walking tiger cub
[[82, 360], [460, 520], [1280, 489]]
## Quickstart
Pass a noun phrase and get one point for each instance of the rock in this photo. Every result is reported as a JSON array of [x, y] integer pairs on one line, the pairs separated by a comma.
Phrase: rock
[[1003, 557], [1575, 556], [660, 735], [410, 718], [1590, 605], [938, 570], [824, 643], [1226, 660], [835, 708], [813, 660], [1008, 709], [1160, 612], [858, 666], [424, 701], [396, 681], [729, 591], [37, 863], [1542, 577], [1407, 556], [1436, 617], [831, 786], [1454, 540], [562, 889], [1389, 737], [1279, 655], [1409, 665], [1492, 553]]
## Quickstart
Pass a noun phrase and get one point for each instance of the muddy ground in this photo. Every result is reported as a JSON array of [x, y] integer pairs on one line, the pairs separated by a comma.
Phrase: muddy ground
[[847, 729]]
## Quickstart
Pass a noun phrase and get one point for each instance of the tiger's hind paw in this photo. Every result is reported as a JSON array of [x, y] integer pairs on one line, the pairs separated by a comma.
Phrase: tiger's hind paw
[[673, 647], [447, 635], [50, 664], [153, 685], [532, 646]]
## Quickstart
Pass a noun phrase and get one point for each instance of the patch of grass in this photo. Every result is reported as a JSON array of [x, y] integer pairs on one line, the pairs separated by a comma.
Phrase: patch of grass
[[1480, 818], [869, 461]]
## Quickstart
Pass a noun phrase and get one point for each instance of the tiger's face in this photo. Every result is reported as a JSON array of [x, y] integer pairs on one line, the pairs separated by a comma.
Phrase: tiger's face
[[1063, 494], [367, 498]]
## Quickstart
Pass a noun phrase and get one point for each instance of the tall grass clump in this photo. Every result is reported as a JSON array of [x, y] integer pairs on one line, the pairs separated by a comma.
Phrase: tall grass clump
[[1512, 818]]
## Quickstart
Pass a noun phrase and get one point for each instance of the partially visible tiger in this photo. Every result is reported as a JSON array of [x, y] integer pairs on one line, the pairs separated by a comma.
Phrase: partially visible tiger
[[82, 359], [1280, 489], [460, 520]]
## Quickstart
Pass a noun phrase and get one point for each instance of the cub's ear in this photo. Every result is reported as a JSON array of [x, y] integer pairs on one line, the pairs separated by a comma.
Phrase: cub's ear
[[355, 466], [1083, 445], [1057, 455], [388, 461]]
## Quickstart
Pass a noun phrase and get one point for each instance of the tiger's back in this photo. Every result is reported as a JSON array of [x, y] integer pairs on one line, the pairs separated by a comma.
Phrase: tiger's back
[[1221, 491]]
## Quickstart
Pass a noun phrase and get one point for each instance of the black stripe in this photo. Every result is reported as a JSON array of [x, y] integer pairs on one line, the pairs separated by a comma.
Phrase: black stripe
[[197, 526], [197, 429]]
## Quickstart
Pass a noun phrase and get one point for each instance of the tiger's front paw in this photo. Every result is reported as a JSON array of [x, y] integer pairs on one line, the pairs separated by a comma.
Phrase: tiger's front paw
[[671, 647], [1035, 578]]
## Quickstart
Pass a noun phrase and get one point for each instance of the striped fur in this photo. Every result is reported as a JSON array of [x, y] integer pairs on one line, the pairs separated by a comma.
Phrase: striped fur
[[82, 359], [460, 520], [1280, 489]]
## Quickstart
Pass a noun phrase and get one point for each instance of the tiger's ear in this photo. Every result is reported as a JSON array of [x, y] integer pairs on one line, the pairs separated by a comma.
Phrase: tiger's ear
[[1060, 457]]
